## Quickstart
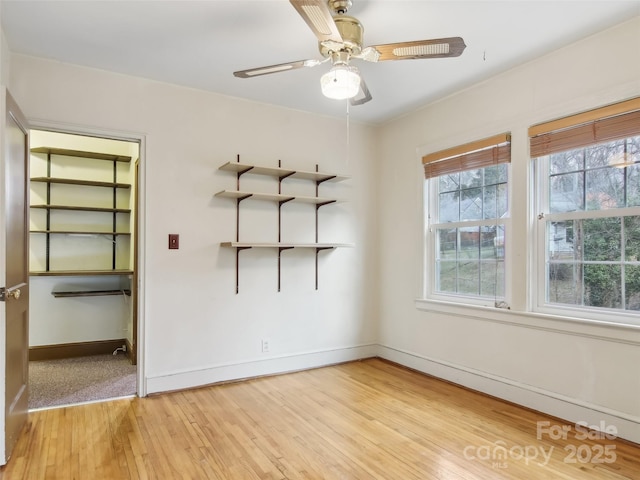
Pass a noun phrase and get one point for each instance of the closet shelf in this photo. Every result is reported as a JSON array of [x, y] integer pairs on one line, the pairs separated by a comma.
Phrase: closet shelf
[[275, 197], [77, 273], [281, 172], [82, 209], [72, 181], [78, 233], [82, 154], [90, 293]]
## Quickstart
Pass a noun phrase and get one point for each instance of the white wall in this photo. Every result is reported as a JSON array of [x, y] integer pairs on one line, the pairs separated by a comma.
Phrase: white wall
[[5, 58], [574, 370], [197, 330]]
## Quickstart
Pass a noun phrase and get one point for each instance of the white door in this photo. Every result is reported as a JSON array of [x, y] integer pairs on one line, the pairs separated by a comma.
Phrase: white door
[[14, 289]]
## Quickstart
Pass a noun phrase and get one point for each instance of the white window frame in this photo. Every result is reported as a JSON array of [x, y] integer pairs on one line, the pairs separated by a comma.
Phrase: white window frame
[[600, 125], [431, 209], [539, 280]]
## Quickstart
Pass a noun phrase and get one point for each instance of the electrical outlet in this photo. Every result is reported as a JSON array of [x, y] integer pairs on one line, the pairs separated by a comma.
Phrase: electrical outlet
[[265, 345]]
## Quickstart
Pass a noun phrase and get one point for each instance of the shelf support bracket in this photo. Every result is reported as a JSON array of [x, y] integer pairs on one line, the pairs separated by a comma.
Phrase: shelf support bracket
[[238, 267], [280, 203], [318, 250], [280, 249], [240, 172], [48, 237]]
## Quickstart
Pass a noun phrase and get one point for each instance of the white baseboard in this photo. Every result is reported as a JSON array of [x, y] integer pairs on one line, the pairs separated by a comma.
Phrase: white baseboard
[[257, 368], [551, 403]]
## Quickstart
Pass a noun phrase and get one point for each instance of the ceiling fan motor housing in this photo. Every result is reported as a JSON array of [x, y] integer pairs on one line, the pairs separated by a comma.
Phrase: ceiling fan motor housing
[[340, 6], [351, 31]]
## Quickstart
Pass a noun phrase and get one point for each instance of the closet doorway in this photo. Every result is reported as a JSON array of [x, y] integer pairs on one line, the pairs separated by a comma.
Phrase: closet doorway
[[82, 268]]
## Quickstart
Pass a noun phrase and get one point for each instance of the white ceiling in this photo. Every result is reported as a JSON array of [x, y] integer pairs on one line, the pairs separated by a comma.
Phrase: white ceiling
[[200, 43]]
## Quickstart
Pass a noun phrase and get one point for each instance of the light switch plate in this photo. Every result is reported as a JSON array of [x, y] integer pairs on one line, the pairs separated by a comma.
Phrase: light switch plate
[[174, 241]]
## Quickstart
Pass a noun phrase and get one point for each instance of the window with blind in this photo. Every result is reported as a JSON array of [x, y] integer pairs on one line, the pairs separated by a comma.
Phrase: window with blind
[[466, 214], [588, 228]]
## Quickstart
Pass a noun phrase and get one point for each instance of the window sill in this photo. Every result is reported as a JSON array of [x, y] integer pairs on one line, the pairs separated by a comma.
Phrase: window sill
[[599, 329]]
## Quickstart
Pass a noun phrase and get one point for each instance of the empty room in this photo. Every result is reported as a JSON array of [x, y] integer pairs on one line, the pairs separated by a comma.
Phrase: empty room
[[320, 239]]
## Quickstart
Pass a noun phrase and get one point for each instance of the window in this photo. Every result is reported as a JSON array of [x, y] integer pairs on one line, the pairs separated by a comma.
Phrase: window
[[588, 229], [467, 211]]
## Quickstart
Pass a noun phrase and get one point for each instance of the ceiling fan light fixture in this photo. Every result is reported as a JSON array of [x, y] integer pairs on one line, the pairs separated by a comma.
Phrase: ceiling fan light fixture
[[341, 82]]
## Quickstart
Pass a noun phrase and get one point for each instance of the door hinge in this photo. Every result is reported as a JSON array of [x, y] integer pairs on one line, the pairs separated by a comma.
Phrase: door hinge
[[2, 294]]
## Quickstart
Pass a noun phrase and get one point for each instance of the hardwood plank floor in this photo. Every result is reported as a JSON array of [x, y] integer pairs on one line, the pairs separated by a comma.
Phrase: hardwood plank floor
[[362, 420]]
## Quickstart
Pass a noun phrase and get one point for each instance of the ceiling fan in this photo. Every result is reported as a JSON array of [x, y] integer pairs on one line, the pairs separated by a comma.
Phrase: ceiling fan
[[340, 40]]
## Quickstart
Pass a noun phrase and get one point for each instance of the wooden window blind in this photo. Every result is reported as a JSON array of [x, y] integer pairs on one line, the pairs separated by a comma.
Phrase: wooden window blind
[[606, 124], [479, 154]]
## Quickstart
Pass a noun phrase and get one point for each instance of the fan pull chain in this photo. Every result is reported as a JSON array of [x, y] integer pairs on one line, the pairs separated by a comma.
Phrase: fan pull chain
[[348, 137]]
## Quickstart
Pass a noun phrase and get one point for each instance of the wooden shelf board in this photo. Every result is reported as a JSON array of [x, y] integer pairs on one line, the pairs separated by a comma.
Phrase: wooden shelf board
[[82, 154], [70, 232], [80, 273], [72, 181], [283, 245], [274, 197], [90, 293], [82, 209], [281, 172]]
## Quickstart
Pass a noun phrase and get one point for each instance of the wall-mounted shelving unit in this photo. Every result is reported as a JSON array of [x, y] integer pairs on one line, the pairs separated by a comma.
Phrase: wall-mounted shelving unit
[[107, 227], [281, 174]]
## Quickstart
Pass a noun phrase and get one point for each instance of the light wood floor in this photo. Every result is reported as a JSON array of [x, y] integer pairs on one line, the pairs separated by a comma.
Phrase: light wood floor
[[362, 420]]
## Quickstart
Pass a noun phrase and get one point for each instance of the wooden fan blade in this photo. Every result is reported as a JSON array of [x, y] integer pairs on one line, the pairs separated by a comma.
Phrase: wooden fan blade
[[318, 16], [281, 67], [435, 48], [363, 95]]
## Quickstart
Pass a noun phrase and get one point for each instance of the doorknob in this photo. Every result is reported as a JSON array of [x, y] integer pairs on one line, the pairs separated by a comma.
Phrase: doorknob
[[13, 292]]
